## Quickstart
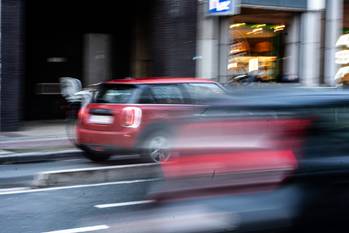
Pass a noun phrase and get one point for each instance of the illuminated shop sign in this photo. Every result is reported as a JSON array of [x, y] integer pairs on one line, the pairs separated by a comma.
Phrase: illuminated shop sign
[[223, 7]]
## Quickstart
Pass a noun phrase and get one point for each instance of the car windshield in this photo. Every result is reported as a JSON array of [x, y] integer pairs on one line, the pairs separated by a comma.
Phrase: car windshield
[[115, 93]]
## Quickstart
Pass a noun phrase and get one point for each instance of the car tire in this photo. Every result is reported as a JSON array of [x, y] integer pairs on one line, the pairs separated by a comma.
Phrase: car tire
[[96, 157], [156, 147]]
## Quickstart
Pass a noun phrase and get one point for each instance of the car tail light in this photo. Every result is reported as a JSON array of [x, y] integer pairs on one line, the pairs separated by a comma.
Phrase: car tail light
[[131, 117]]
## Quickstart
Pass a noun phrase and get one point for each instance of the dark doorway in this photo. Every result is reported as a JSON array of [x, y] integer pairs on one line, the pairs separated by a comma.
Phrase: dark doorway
[[55, 42]]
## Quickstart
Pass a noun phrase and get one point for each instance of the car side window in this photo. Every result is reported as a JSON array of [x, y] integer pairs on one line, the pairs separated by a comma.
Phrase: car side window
[[146, 97], [167, 94], [203, 91]]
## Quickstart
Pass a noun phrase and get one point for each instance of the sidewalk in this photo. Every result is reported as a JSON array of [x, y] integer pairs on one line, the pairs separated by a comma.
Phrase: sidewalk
[[35, 138]]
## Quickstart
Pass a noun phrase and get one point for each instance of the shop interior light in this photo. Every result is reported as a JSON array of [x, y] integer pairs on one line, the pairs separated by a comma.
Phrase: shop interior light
[[233, 51], [246, 59], [279, 28], [236, 25], [258, 25], [232, 65], [255, 31]]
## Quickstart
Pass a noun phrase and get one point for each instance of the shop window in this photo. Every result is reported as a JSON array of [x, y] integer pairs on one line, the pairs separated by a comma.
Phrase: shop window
[[256, 50]]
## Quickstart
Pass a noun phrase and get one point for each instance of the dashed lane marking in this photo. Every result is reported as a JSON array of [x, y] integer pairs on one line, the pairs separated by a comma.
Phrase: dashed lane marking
[[121, 204], [78, 186], [5, 190], [81, 229]]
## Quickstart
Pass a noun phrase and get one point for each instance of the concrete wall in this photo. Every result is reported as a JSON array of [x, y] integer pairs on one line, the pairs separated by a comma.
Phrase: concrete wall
[[292, 50], [207, 54], [212, 46], [310, 60]]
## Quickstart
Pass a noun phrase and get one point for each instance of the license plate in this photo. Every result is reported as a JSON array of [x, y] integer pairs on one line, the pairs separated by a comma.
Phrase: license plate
[[104, 120]]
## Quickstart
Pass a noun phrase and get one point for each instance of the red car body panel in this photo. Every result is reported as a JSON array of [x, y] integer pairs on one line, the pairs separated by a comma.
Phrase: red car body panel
[[229, 155], [230, 162], [232, 146], [242, 134], [119, 136]]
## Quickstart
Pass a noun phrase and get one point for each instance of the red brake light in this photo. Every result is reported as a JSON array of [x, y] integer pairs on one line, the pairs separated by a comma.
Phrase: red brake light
[[131, 117]]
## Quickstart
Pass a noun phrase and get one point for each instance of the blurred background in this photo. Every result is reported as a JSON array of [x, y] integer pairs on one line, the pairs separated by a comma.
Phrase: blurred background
[[279, 41], [259, 145]]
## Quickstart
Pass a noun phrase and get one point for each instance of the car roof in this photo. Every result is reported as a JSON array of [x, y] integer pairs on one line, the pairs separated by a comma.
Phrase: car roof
[[159, 80]]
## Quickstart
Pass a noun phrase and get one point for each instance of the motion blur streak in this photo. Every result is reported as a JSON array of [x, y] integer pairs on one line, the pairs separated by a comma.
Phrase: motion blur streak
[[228, 131], [196, 218], [271, 161]]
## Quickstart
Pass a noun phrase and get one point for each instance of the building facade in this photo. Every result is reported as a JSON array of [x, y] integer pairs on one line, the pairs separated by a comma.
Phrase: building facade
[[276, 40], [93, 41], [41, 41]]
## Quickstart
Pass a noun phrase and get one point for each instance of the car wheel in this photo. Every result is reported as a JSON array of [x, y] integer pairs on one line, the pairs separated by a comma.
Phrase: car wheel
[[96, 157], [157, 148]]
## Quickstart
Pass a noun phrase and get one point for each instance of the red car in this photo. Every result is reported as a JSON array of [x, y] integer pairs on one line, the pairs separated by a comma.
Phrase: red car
[[133, 115]]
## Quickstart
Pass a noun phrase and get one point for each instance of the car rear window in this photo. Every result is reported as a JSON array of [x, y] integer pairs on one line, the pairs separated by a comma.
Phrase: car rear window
[[115, 93]]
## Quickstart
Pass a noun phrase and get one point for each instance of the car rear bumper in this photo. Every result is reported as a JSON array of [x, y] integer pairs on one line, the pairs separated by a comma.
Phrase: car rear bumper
[[105, 140], [107, 149]]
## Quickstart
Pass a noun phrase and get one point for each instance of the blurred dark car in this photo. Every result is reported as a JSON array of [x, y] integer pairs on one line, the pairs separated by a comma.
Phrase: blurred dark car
[[276, 162], [130, 116]]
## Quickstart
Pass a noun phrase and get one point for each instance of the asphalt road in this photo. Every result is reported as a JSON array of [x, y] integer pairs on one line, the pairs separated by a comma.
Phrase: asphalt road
[[109, 207], [71, 207], [79, 208], [21, 174]]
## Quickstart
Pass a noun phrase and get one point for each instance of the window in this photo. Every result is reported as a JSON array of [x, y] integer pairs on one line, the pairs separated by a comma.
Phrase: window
[[146, 97], [115, 93], [167, 94], [256, 50], [203, 91]]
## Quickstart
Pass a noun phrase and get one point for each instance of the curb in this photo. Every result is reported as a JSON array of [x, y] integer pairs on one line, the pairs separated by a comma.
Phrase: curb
[[96, 175], [39, 156]]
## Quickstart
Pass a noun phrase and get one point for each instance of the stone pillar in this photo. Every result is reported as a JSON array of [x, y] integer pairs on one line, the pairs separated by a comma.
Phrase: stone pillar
[[310, 61], [97, 58], [333, 29], [207, 55], [291, 68], [224, 43], [12, 54]]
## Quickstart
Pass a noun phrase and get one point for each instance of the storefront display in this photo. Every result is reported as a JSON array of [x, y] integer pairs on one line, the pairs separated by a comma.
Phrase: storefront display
[[255, 48]]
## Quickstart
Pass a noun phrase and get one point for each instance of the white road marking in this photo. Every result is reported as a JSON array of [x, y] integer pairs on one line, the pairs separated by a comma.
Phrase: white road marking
[[81, 229], [79, 186], [36, 140], [100, 168], [102, 206], [13, 189]]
